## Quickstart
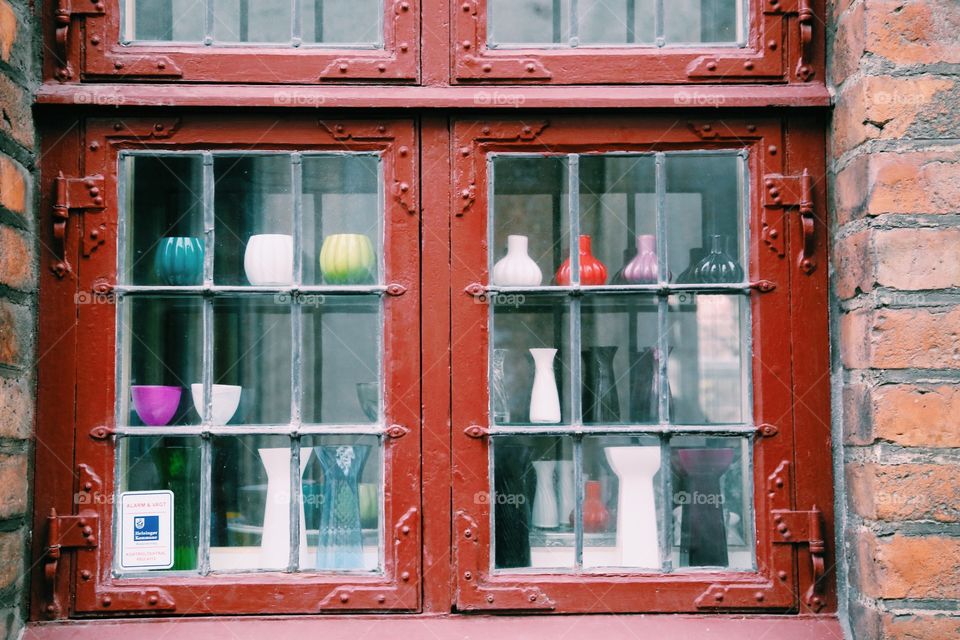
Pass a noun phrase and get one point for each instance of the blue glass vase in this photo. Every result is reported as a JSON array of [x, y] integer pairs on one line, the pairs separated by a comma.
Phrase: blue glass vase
[[340, 543], [179, 261]]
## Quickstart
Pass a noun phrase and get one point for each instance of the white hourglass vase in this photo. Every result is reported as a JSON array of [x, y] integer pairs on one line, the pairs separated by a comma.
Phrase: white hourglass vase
[[268, 260], [275, 543], [638, 544], [545, 499], [544, 398], [517, 268]]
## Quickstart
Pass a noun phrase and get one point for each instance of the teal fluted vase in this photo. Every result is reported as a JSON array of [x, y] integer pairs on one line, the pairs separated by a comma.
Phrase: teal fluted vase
[[340, 543], [179, 261]]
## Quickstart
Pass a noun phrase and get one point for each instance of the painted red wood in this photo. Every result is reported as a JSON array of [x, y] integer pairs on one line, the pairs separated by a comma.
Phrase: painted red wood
[[95, 589], [775, 584], [677, 627], [90, 49], [774, 53]]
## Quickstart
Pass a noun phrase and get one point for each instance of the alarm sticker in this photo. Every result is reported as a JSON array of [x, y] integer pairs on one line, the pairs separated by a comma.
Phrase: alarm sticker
[[146, 530]]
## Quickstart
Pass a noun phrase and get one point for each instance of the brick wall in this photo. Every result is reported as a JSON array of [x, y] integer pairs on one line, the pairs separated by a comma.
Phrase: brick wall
[[895, 189], [18, 283]]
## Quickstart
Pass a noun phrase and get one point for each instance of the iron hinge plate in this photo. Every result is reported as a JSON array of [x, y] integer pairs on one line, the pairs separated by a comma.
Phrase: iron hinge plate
[[782, 192], [63, 15], [804, 527], [75, 194]]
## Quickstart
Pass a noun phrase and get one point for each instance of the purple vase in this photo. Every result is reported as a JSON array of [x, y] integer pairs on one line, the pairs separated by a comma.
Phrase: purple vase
[[643, 268], [155, 404]]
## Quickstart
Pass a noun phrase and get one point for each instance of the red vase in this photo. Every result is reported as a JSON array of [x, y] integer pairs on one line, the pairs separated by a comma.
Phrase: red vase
[[595, 514], [592, 271]]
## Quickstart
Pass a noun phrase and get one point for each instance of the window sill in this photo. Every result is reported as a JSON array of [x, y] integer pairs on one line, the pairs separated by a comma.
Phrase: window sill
[[610, 627]]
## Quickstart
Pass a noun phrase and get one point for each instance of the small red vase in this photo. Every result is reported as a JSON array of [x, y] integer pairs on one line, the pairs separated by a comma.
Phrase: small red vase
[[595, 514], [592, 271]]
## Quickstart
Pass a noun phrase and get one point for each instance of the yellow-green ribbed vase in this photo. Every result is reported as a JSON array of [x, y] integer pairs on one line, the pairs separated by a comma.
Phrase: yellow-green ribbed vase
[[348, 258]]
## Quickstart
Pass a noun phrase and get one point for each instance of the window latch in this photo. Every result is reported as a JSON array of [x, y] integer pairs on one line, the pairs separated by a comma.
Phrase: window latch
[[782, 192], [63, 16], [74, 194], [64, 532], [804, 527]]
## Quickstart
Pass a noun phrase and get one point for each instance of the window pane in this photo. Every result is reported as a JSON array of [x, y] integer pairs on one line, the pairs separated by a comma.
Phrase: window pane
[[702, 21], [616, 21], [252, 21], [162, 357], [163, 20], [155, 464], [164, 223], [342, 21], [712, 503], [532, 502], [529, 21]]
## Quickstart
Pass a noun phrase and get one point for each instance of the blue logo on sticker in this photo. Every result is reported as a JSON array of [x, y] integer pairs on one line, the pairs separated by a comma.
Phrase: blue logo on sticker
[[146, 529]]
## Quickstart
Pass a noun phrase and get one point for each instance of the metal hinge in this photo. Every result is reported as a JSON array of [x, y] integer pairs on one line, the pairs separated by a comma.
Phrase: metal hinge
[[63, 16], [65, 532], [804, 527], [782, 192], [74, 194]]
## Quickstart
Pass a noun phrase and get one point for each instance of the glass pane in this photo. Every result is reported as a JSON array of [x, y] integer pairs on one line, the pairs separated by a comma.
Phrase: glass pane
[[341, 359], [164, 464], [253, 204], [704, 217], [528, 21], [616, 21], [707, 365], [530, 220], [162, 356], [531, 351], [163, 20], [250, 516], [164, 222], [252, 354], [712, 503], [702, 21], [620, 360], [252, 21], [344, 502], [342, 237], [618, 211], [622, 509], [533, 501], [342, 21]]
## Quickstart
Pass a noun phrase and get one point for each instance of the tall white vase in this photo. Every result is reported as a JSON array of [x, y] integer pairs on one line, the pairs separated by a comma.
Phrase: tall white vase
[[545, 499], [517, 268], [544, 399], [566, 496], [275, 543], [638, 544]]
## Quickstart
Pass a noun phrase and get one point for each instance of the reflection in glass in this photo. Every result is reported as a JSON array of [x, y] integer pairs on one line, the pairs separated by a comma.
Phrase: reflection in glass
[[341, 489], [342, 21], [257, 21], [521, 329], [168, 464], [712, 503], [706, 367], [163, 20], [532, 502]]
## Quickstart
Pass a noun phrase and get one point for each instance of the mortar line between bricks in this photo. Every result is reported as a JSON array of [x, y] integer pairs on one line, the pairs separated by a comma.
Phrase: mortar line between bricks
[[898, 146], [13, 523], [17, 76], [24, 155], [14, 219]]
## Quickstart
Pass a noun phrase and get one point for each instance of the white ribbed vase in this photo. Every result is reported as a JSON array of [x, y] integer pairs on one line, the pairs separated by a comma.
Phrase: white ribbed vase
[[517, 268], [268, 260]]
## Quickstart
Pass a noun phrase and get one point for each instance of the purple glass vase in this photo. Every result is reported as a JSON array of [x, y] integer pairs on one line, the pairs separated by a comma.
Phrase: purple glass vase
[[642, 269], [703, 534]]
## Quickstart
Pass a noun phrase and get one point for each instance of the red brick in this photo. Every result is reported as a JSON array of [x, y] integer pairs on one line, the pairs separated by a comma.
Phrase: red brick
[[16, 259], [913, 32], [8, 30], [13, 185], [857, 414], [18, 120], [15, 334], [922, 182], [848, 44], [917, 416], [16, 409], [899, 492], [853, 264], [13, 485], [914, 259], [901, 338], [901, 566], [12, 551], [920, 626]]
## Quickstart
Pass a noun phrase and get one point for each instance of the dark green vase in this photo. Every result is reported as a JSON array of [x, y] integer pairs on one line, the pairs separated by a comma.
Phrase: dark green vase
[[178, 466], [179, 261]]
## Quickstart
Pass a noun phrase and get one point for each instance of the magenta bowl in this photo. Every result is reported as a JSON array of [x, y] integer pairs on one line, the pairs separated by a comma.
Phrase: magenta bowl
[[155, 404]]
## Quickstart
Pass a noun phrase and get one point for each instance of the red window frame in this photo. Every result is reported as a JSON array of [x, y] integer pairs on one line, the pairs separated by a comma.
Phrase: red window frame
[[80, 338], [779, 48], [85, 40], [790, 423]]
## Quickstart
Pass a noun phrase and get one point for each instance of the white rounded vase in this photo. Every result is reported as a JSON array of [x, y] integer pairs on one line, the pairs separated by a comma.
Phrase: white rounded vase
[[517, 268], [268, 260]]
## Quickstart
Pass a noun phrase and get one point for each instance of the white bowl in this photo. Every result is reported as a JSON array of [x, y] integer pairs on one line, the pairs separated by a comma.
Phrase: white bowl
[[268, 260], [226, 399]]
